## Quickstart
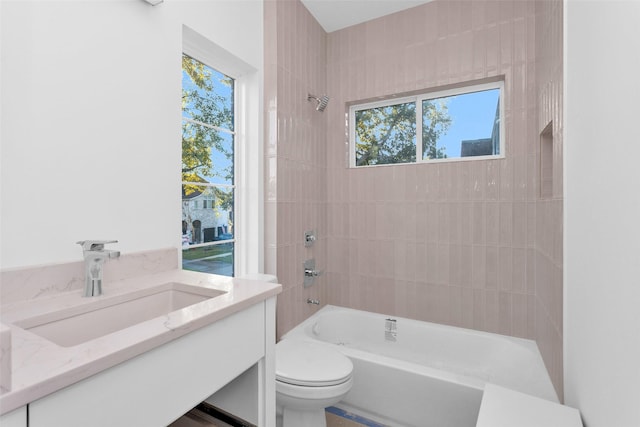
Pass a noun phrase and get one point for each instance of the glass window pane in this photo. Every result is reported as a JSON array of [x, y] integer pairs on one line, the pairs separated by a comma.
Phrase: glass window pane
[[207, 154], [207, 95], [386, 135], [207, 214], [461, 125], [215, 259], [207, 157]]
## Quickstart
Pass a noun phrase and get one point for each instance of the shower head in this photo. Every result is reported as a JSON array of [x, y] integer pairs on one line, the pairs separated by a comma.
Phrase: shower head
[[321, 101]]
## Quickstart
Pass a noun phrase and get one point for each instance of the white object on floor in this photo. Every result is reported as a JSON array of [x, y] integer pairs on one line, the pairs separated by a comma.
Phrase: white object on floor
[[502, 407]]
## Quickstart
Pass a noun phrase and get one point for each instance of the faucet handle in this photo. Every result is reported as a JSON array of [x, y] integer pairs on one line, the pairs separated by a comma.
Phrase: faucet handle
[[94, 245]]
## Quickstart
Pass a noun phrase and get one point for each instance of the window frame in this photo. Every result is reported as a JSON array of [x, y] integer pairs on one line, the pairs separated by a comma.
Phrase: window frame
[[418, 100], [207, 202], [248, 212]]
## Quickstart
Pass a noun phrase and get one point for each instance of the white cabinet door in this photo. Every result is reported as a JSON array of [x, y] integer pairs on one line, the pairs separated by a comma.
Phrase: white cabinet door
[[161, 385], [15, 418]]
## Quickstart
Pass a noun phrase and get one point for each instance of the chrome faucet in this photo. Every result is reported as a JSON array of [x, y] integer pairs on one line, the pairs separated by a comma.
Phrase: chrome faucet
[[94, 256]]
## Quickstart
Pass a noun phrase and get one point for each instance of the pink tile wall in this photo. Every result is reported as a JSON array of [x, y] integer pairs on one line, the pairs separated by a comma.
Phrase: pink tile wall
[[548, 244], [451, 242], [295, 157], [467, 243]]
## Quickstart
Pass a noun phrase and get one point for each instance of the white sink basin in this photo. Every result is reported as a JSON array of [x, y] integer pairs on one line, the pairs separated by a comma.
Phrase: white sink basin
[[94, 319]]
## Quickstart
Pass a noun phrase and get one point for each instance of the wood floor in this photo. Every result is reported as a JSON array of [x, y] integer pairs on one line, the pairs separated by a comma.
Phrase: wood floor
[[337, 421]]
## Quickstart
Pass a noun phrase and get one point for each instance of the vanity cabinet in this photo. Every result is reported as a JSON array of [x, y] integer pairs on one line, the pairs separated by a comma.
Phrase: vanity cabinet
[[157, 387], [15, 418]]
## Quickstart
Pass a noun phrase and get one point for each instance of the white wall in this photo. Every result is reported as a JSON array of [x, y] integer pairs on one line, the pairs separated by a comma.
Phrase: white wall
[[90, 119], [602, 211]]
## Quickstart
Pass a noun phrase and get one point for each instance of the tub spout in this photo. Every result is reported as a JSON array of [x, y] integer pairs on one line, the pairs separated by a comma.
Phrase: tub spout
[[313, 301], [390, 329]]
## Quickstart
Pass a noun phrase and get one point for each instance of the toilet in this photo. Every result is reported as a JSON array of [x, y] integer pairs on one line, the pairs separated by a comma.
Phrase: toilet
[[309, 378]]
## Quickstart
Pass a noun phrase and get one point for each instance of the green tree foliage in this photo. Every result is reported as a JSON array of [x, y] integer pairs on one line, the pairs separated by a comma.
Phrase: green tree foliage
[[387, 134], [435, 123], [201, 103]]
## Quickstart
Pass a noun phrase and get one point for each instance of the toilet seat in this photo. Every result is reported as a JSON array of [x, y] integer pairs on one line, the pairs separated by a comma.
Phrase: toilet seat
[[308, 364]]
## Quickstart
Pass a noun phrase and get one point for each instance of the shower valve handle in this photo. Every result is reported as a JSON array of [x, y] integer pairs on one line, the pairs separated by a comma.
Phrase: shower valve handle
[[312, 273]]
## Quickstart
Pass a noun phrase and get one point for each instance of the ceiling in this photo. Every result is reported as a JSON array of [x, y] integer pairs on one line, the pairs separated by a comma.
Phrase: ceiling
[[337, 14]]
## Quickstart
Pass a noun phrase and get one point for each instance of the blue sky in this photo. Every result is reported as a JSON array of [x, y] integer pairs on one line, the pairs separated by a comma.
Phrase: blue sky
[[472, 117]]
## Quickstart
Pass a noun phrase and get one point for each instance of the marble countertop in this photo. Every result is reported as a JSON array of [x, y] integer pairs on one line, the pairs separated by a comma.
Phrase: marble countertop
[[40, 367]]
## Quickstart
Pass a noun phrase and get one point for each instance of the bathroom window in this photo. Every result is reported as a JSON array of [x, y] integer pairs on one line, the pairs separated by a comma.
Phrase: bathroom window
[[208, 147], [455, 124]]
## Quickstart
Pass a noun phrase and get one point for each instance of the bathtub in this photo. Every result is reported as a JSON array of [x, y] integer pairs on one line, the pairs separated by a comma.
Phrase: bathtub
[[409, 373]]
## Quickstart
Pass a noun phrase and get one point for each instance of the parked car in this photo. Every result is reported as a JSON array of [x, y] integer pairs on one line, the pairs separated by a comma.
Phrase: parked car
[[224, 236]]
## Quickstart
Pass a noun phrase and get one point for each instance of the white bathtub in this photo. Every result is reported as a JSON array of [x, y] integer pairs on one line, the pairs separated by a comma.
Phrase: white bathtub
[[428, 374]]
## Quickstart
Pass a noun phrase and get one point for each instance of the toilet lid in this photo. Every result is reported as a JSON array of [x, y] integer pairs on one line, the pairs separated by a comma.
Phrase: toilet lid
[[310, 364]]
